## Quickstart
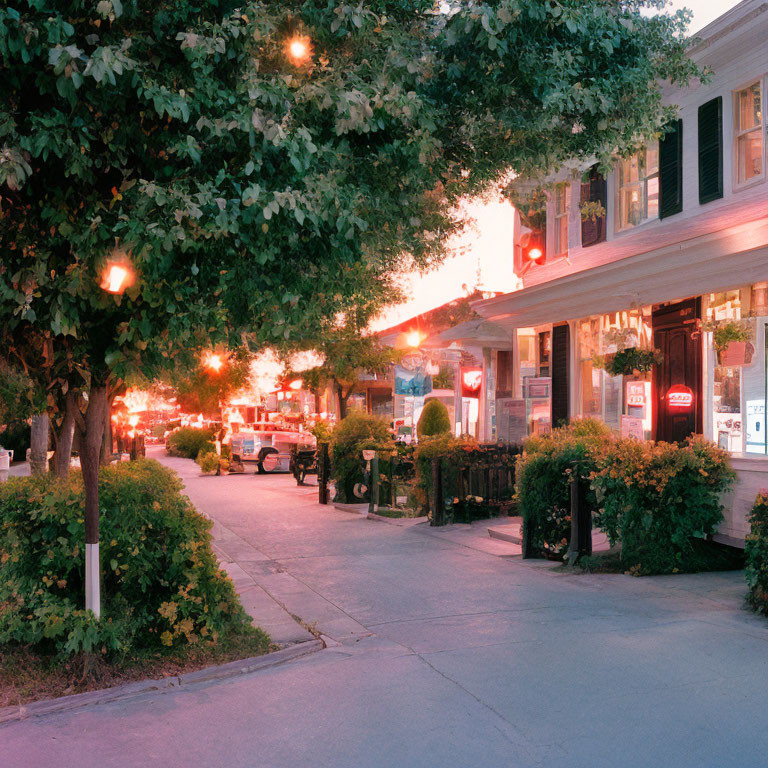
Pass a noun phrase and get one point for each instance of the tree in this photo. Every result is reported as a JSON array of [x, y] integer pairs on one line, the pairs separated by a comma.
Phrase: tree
[[22, 401], [434, 420], [347, 354], [203, 387], [235, 182]]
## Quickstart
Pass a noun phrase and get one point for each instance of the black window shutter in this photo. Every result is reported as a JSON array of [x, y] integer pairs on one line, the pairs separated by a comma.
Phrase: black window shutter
[[671, 171], [593, 191], [711, 150], [560, 378]]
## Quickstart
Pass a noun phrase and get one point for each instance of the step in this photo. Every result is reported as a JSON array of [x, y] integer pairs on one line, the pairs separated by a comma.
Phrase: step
[[513, 532]]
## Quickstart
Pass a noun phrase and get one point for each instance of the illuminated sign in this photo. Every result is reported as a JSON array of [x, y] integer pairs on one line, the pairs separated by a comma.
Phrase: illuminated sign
[[471, 381], [680, 396], [636, 394]]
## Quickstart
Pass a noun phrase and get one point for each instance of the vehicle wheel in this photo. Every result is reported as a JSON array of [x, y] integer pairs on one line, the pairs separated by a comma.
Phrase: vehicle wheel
[[269, 460]]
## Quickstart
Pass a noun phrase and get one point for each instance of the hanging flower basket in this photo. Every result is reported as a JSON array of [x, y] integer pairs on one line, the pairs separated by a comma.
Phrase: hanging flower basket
[[733, 341], [625, 362], [735, 354]]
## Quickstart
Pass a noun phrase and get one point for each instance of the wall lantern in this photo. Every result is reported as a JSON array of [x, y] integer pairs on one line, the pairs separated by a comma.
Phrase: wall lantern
[[679, 396]]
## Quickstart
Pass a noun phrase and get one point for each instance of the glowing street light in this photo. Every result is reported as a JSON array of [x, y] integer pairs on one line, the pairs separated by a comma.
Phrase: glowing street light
[[413, 339], [213, 362], [296, 384], [299, 49], [117, 276]]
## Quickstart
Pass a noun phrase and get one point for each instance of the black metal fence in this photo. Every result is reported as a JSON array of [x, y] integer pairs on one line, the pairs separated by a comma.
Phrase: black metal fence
[[474, 484]]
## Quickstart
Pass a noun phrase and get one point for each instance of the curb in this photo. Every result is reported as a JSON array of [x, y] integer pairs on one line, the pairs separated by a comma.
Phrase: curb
[[132, 690]]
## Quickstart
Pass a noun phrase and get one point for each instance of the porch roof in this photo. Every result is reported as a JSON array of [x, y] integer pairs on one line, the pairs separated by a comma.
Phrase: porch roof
[[716, 261], [472, 333]]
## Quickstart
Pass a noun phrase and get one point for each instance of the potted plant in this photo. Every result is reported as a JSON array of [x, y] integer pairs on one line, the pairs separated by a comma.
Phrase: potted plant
[[733, 341]]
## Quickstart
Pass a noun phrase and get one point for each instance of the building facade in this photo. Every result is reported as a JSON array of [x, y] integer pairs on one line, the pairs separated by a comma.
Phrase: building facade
[[650, 309]]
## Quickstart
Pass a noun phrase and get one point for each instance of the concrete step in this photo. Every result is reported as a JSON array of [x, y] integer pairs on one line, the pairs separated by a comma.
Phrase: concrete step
[[513, 533]]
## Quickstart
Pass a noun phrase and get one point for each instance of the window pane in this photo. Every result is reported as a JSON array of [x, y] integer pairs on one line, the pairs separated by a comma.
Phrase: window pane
[[750, 155], [749, 108], [591, 390], [652, 211], [652, 160]]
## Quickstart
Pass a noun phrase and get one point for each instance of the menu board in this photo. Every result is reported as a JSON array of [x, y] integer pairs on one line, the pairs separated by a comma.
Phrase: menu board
[[632, 426], [511, 419]]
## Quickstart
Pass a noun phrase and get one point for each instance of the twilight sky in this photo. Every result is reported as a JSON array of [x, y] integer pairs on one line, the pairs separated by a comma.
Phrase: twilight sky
[[486, 248]]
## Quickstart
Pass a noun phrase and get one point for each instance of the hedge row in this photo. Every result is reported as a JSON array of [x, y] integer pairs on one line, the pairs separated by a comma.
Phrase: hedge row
[[161, 585], [655, 499]]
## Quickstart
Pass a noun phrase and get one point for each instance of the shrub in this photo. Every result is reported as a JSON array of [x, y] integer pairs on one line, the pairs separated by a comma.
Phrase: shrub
[[161, 586], [352, 435], [543, 477], [434, 420], [656, 498], [159, 430], [187, 442], [322, 432], [208, 460], [756, 552]]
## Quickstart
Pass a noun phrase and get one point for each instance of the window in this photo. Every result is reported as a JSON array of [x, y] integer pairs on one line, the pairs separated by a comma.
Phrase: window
[[748, 116], [638, 188], [562, 199], [593, 203], [711, 150]]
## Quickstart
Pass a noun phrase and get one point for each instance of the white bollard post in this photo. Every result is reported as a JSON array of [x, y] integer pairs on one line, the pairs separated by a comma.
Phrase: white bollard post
[[92, 586]]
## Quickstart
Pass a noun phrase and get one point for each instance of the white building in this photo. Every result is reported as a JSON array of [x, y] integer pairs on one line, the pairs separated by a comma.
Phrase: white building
[[679, 258]]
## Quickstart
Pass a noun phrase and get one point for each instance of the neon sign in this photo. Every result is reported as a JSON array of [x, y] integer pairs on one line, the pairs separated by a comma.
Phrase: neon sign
[[472, 379], [680, 396]]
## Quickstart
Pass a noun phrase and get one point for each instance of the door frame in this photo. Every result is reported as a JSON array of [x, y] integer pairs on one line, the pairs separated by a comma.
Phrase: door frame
[[680, 314]]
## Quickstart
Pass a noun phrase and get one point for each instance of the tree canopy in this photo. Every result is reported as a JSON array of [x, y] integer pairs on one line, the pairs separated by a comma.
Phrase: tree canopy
[[260, 168]]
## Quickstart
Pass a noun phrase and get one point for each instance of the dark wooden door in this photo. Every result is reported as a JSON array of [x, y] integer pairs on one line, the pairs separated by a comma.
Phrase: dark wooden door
[[560, 374], [676, 336]]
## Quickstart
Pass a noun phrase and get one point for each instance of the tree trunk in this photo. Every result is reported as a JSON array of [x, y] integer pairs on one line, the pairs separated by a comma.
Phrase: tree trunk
[[105, 458], [343, 399], [66, 436], [39, 442], [91, 429]]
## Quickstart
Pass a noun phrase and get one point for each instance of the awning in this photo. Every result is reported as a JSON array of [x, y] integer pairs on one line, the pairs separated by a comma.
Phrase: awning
[[472, 333], [718, 261]]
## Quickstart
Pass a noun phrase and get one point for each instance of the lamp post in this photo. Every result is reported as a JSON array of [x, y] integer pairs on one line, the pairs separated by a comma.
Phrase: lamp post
[[117, 276]]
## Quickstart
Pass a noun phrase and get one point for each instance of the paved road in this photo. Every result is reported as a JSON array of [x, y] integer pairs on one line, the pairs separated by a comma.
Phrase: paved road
[[447, 656]]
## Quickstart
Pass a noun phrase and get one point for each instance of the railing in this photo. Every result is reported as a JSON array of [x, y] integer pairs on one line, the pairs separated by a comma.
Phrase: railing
[[473, 484]]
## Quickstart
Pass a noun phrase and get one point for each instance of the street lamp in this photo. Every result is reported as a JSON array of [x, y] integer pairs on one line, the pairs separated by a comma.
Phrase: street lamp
[[299, 49], [118, 273], [213, 362], [413, 339]]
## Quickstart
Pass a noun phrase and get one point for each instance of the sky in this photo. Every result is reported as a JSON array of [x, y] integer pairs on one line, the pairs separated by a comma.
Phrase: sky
[[484, 251]]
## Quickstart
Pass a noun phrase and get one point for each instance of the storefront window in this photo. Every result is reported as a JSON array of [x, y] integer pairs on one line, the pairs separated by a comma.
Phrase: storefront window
[[738, 368], [614, 399]]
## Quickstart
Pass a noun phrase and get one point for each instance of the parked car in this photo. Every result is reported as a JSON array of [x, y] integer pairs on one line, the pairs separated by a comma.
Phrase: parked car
[[270, 450]]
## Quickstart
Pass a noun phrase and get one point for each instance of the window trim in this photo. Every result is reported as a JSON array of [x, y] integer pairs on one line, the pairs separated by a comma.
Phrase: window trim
[[561, 249], [618, 228], [760, 178]]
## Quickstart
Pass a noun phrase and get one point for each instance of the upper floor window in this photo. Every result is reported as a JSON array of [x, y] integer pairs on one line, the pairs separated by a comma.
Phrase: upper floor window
[[561, 219], [748, 129], [637, 180]]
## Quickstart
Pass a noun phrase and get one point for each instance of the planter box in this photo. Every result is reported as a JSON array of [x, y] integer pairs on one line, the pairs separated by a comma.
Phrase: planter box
[[736, 353]]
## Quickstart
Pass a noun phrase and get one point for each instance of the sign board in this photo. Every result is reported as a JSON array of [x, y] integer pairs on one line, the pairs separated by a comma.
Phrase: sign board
[[679, 396], [471, 381], [414, 383], [511, 419], [537, 387], [636, 394], [632, 426]]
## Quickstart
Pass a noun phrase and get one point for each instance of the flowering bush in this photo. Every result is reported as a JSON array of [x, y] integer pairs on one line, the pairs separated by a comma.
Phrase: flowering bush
[[161, 586], [187, 442], [353, 434], [544, 473], [756, 552], [655, 498]]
